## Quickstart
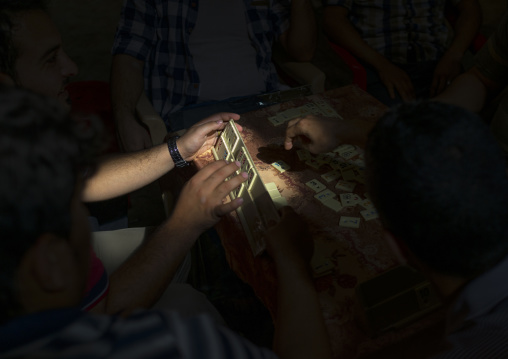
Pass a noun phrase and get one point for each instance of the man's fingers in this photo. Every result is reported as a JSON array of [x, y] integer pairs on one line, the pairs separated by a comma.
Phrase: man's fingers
[[216, 172], [209, 129], [442, 85], [434, 86], [224, 189], [292, 131], [225, 208], [239, 127], [226, 116], [404, 95], [287, 211], [406, 91], [234, 182], [391, 91], [221, 116], [210, 168], [288, 143]]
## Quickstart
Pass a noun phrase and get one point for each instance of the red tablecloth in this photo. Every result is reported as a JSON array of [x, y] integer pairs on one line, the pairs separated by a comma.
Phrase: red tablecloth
[[357, 254]]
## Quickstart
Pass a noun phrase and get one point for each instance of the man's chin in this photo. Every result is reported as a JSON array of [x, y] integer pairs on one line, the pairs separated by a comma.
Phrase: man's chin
[[64, 98]]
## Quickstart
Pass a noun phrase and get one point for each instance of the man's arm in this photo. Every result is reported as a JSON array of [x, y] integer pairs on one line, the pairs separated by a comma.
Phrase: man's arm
[[340, 30], [299, 40], [323, 134], [465, 29], [127, 85], [300, 330], [141, 279], [469, 90], [120, 174]]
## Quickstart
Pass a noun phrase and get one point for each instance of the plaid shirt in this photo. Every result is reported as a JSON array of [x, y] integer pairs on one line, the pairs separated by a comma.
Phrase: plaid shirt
[[403, 31], [158, 31]]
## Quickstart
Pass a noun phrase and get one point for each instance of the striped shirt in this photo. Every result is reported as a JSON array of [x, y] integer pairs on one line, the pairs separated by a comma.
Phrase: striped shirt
[[404, 31], [69, 333], [478, 323], [158, 33]]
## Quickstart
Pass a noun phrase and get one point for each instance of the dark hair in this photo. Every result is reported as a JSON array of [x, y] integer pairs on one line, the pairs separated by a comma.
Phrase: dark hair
[[43, 152], [8, 10], [438, 179]]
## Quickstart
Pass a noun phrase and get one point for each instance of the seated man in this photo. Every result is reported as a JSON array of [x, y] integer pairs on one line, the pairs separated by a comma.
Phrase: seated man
[[45, 247], [31, 56], [191, 55], [403, 45], [484, 82], [439, 182]]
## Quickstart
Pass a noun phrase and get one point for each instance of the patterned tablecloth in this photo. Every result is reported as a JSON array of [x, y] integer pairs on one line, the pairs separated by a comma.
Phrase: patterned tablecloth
[[356, 254]]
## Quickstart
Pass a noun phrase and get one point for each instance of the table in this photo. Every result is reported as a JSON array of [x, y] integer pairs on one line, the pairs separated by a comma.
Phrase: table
[[356, 254]]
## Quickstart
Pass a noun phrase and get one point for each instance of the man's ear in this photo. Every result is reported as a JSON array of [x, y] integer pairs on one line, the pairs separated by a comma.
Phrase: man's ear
[[6, 79], [397, 247], [50, 263]]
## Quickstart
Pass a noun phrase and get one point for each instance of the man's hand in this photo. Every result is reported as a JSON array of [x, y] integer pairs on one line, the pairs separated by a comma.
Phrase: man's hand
[[317, 134], [447, 69], [300, 331], [323, 134], [202, 136], [200, 204], [133, 136], [396, 79], [289, 242]]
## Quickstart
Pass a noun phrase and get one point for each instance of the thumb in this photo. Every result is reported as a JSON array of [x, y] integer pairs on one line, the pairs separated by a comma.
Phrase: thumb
[[207, 129]]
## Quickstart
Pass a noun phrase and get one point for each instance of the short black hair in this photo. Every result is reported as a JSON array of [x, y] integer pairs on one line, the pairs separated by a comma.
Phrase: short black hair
[[43, 153], [9, 9], [438, 179]]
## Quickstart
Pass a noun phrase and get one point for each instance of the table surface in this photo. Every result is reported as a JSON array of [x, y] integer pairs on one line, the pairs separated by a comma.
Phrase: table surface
[[357, 254]]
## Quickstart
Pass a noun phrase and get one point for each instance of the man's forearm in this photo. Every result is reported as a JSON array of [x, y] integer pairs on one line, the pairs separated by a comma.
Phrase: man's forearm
[[127, 85], [140, 280], [120, 174], [466, 27], [340, 31], [300, 39], [300, 331], [466, 91]]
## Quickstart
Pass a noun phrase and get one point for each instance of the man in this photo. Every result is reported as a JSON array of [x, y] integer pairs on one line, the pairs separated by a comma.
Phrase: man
[[32, 57], [201, 57], [45, 246], [485, 82], [403, 45], [439, 182]]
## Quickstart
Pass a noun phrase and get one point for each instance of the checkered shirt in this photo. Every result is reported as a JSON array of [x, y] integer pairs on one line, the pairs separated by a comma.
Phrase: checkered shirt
[[158, 32], [402, 30]]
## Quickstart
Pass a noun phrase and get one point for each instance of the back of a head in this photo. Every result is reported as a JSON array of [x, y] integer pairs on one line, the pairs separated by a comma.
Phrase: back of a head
[[9, 9], [439, 181], [42, 154]]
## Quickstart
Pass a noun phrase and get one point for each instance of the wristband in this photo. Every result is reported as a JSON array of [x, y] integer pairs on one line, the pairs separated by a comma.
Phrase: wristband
[[175, 154]]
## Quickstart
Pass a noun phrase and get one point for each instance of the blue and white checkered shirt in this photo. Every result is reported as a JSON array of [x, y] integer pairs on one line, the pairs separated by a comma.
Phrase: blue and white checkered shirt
[[158, 31]]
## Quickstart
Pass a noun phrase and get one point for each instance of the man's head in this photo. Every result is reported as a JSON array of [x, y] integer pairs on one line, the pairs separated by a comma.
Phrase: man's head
[[439, 182], [31, 53], [44, 235]]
